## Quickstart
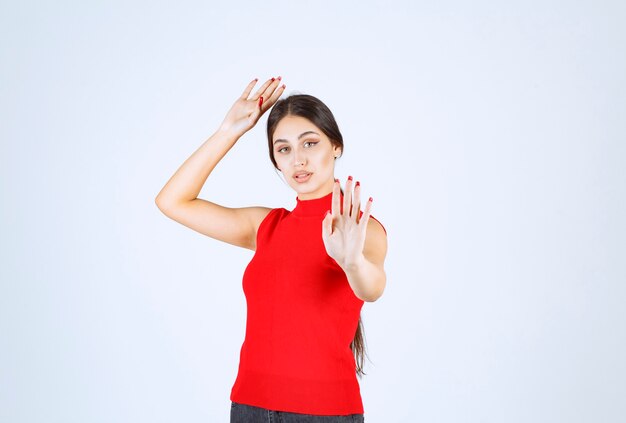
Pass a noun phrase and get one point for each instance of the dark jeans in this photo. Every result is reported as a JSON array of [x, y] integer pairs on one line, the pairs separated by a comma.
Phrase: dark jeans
[[243, 413]]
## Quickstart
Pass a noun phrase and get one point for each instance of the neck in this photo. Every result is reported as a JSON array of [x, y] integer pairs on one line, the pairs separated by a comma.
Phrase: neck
[[314, 207]]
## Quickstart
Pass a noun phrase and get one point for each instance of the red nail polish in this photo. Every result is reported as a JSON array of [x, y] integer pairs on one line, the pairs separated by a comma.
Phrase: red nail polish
[[336, 180], [371, 199], [260, 101], [272, 79], [349, 178], [357, 183]]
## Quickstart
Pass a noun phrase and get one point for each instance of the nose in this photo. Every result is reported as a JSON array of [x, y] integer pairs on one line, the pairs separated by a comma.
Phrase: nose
[[300, 158]]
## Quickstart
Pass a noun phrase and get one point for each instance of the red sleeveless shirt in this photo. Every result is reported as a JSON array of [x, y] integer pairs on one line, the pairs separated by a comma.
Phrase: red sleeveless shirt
[[302, 316]]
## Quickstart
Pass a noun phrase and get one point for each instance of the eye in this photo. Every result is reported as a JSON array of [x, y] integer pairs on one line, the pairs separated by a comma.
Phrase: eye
[[312, 143]]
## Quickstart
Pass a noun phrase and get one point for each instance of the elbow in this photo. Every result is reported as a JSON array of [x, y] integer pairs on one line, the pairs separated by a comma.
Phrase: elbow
[[380, 288], [158, 203], [161, 204], [373, 298], [376, 293]]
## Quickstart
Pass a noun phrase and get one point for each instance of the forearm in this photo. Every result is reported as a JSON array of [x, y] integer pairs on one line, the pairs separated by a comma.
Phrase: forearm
[[186, 183], [366, 279]]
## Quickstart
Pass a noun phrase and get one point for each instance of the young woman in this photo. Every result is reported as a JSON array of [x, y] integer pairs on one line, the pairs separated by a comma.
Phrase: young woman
[[314, 266]]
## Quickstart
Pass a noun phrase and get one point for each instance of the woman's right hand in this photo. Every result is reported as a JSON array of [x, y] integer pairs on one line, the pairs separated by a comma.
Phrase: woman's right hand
[[245, 113]]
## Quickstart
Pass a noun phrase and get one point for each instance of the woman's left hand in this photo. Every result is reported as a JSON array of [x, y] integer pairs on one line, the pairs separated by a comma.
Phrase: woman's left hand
[[343, 230]]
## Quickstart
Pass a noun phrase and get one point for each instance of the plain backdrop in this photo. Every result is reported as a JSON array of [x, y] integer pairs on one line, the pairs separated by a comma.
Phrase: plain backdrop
[[491, 136]]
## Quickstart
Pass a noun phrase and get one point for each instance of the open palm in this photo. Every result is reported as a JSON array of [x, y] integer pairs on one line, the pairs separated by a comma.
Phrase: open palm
[[344, 228], [245, 112]]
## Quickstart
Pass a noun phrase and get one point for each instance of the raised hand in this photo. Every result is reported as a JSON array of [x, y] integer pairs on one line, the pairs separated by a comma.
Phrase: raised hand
[[343, 230], [245, 112]]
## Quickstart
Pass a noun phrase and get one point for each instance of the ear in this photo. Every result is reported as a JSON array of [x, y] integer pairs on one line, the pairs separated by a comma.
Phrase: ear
[[337, 151]]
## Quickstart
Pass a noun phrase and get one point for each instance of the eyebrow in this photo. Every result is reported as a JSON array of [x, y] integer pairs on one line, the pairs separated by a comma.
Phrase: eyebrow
[[299, 136]]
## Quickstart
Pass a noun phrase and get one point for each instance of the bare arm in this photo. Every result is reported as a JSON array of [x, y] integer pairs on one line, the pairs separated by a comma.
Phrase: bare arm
[[186, 183], [178, 198]]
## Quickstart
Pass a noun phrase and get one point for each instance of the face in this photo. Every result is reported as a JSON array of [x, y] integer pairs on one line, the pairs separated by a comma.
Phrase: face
[[300, 147]]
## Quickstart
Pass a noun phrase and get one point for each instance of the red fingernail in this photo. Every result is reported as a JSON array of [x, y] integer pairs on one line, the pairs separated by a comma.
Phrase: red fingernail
[[371, 199], [260, 101], [349, 178], [272, 79], [336, 180], [357, 183]]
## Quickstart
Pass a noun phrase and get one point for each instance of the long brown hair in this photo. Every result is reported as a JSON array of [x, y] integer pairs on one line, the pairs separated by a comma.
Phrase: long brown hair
[[313, 109]]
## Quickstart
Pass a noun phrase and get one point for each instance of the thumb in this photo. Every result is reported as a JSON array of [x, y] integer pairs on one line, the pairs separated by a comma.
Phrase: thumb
[[327, 225], [256, 113]]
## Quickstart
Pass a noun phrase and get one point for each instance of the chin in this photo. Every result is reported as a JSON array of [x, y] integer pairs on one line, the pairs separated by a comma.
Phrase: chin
[[305, 189]]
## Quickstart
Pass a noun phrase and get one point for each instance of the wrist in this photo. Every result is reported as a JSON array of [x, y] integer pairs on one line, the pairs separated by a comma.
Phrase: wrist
[[352, 264], [226, 133]]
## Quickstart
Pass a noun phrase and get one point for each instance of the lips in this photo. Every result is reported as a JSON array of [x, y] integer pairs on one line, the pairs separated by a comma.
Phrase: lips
[[302, 176]]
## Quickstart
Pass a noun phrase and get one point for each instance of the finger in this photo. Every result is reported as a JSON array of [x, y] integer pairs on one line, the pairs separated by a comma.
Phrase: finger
[[347, 197], [336, 205], [274, 97], [366, 213], [356, 206], [261, 91], [255, 114], [246, 92], [271, 89]]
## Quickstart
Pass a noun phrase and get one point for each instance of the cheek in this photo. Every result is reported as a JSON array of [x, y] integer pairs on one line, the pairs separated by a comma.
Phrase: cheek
[[328, 161], [282, 163], [322, 157], [280, 159]]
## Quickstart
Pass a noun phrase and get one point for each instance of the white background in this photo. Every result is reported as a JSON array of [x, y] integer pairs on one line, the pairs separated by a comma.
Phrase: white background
[[490, 135]]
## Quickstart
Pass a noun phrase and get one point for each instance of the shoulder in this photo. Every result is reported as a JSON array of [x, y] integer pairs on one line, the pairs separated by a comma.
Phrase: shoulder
[[258, 214], [257, 218], [268, 216]]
